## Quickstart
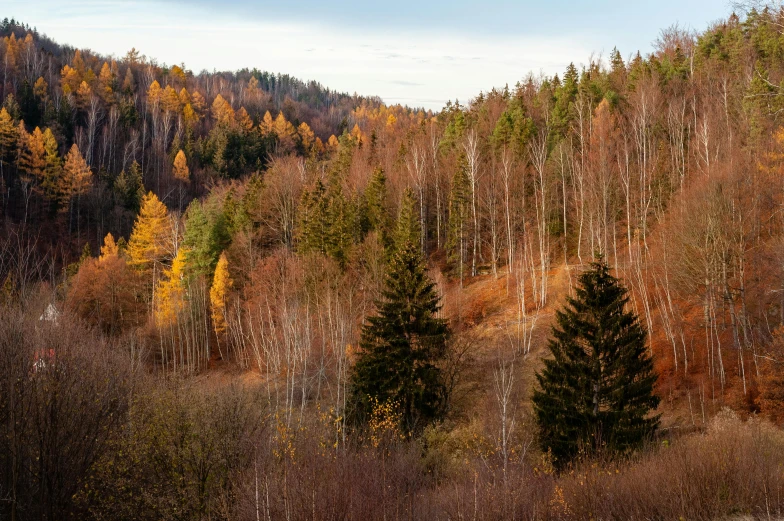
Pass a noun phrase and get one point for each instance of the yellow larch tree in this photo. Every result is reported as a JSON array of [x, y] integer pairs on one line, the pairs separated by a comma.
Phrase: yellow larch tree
[[222, 111], [8, 137], [105, 81], [154, 93], [243, 119], [356, 134], [41, 88], [171, 292], [69, 80], [185, 98], [170, 100], [83, 95], [32, 156], [76, 179], [53, 168], [199, 103], [78, 63], [180, 167], [267, 124], [285, 132], [190, 115], [306, 136], [221, 286], [178, 74], [109, 248], [151, 234]]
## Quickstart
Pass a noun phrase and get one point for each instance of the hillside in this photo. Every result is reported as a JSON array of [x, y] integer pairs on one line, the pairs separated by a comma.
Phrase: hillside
[[215, 244]]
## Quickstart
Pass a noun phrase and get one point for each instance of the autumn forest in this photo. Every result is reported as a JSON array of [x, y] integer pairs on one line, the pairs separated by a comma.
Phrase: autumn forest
[[239, 295]]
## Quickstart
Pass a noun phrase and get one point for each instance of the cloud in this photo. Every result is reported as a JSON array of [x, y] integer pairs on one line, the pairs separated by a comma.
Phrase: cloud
[[406, 83], [422, 64]]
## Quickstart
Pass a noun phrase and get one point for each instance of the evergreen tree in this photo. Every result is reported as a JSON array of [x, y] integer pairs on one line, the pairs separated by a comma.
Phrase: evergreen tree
[[312, 220], [206, 235], [459, 208], [375, 214], [402, 346], [596, 392]]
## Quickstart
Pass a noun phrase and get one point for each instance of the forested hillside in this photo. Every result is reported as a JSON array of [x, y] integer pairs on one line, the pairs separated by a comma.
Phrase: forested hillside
[[198, 269]]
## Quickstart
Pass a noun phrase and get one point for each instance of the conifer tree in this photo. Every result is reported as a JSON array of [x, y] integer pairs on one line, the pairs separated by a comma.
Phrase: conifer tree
[[376, 216], [459, 207], [150, 235], [129, 188], [109, 248], [180, 167], [596, 392], [221, 285], [206, 235], [32, 155], [53, 169], [312, 220], [76, 178], [403, 345], [8, 137], [170, 294]]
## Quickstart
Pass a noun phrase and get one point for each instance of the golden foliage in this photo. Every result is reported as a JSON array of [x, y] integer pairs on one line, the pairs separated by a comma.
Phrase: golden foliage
[[170, 294], [267, 124], [221, 286], [222, 111], [32, 155], [180, 168], [77, 176], [243, 119], [109, 248], [151, 234], [154, 93], [306, 136]]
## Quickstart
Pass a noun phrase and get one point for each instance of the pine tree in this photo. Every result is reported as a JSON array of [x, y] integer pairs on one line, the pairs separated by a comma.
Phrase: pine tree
[[596, 392], [403, 345]]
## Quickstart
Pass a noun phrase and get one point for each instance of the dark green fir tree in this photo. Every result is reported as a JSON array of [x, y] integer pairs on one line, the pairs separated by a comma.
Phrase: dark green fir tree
[[596, 392], [403, 346]]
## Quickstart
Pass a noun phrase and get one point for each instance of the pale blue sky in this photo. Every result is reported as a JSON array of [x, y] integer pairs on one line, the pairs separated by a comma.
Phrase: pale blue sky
[[415, 52]]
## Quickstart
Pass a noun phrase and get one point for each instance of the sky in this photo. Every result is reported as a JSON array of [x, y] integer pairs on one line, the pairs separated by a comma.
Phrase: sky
[[419, 53]]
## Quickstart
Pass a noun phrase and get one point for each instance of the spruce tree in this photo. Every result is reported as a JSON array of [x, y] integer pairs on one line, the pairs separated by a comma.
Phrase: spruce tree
[[596, 392], [459, 208], [402, 346]]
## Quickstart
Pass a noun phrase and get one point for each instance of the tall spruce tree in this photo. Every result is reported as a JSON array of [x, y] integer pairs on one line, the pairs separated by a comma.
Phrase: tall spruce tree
[[596, 392], [403, 344]]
